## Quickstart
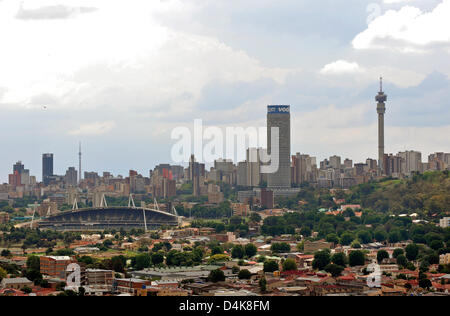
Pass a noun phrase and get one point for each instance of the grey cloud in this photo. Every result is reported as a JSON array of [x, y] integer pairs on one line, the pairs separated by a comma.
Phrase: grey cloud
[[52, 12]]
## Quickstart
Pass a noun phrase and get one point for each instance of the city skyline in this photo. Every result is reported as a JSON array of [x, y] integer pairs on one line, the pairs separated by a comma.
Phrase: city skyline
[[111, 101]]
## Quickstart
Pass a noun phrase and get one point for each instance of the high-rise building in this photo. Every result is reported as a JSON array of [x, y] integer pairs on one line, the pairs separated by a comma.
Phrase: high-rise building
[[335, 162], [79, 163], [19, 167], [304, 169], [71, 178], [242, 174], [278, 116], [348, 163], [196, 174], [381, 110], [254, 166], [411, 162], [47, 168]]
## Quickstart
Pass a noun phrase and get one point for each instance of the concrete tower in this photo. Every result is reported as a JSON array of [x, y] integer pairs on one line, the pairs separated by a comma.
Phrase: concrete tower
[[279, 116], [381, 109]]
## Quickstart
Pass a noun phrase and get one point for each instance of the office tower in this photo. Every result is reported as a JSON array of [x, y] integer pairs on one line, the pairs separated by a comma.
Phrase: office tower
[[14, 179], [411, 162], [224, 171], [71, 178], [279, 116], [304, 169], [47, 168], [19, 167], [372, 163], [392, 165], [196, 172], [254, 167], [348, 163], [20, 175], [381, 110], [335, 162], [242, 174], [25, 177]]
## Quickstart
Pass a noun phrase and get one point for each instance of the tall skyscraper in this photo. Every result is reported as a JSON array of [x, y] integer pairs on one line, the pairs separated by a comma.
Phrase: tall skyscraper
[[47, 167], [381, 110], [279, 116]]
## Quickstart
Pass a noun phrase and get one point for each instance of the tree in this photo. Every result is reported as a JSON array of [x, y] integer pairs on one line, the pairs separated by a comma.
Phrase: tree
[[365, 236], [333, 238], [235, 269], [321, 259], [255, 217], [244, 274], [3, 273], [346, 239], [334, 269], [412, 251], [425, 283], [402, 261], [263, 284], [436, 244], [289, 265], [305, 231], [397, 252], [270, 266], [340, 259], [237, 252], [157, 258], [81, 291], [381, 255], [118, 263], [33, 263], [380, 235], [26, 290], [250, 250], [142, 261], [356, 258], [280, 247], [216, 250], [216, 276], [6, 253]]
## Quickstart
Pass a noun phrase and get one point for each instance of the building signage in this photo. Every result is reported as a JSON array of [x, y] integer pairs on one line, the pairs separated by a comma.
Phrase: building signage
[[280, 109]]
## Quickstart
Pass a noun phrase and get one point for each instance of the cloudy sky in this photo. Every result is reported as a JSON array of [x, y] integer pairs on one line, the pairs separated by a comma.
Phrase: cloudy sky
[[120, 75]]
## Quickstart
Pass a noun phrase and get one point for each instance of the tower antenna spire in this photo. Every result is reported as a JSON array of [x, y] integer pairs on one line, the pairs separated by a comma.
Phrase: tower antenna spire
[[381, 84]]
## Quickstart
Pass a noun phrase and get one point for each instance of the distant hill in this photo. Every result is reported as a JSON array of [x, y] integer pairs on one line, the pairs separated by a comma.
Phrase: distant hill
[[426, 194]]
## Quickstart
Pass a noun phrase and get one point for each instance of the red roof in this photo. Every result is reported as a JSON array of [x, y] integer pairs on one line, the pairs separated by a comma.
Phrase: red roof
[[12, 292]]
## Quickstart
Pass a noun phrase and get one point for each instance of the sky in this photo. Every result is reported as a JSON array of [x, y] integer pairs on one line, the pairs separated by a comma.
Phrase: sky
[[119, 76]]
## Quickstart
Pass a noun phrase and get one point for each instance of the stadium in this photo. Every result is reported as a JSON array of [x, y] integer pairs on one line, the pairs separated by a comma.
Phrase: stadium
[[106, 218]]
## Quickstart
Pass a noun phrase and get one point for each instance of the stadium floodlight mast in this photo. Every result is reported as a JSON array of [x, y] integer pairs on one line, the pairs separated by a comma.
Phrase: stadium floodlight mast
[[131, 201]]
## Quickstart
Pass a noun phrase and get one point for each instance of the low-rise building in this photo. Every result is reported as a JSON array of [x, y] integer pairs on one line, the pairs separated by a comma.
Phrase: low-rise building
[[55, 266], [15, 283]]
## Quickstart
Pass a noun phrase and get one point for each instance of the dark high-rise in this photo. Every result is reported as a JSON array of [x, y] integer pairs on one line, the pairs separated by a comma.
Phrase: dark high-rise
[[47, 168], [19, 167]]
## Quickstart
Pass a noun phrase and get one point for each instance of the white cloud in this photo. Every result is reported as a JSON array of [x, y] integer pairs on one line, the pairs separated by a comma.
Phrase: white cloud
[[341, 67], [395, 1], [367, 75], [408, 29], [96, 128]]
